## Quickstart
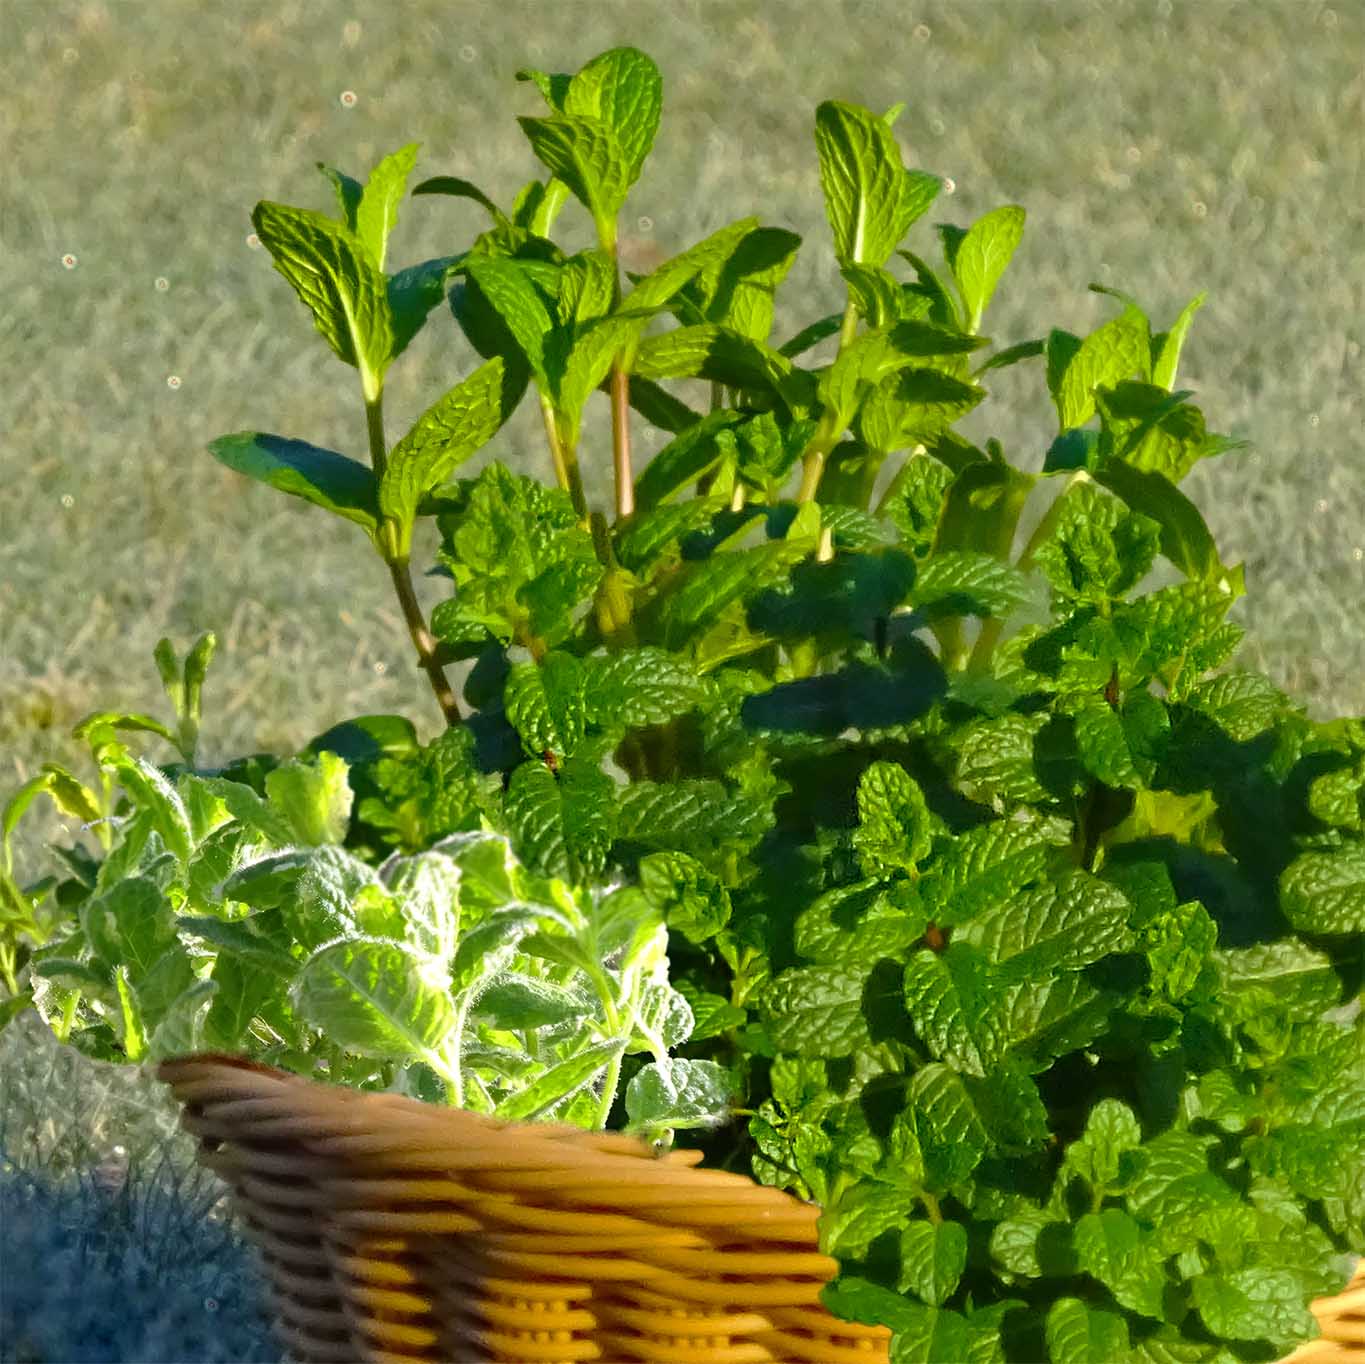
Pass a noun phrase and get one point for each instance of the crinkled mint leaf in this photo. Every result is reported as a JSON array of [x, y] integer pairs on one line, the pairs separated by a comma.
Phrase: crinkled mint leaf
[[1324, 892], [1080, 1334], [933, 1256]]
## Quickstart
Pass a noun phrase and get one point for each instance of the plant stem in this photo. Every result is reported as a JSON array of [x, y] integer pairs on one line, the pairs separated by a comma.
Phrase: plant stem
[[423, 640], [620, 443], [566, 463], [612, 1079]]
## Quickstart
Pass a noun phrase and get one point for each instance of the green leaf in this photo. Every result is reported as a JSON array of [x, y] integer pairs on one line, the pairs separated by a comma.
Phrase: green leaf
[[817, 1010], [444, 436], [314, 795], [622, 88], [508, 288], [558, 1083], [636, 687], [348, 192], [949, 999], [1324, 892], [1167, 356], [869, 199], [1058, 926], [323, 477], [951, 1134], [377, 211], [893, 821], [1243, 704], [331, 271], [374, 997], [1098, 549], [685, 459], [1118, 350], [462, 189], [1102, 743], [738, 292], [988, 865], [1255, 1304], [1096, 1156], [692, 901], [981, 258], [968, 583], [684, 1093], [243, 989], [859, 923], [1185, 537], [982, 510], [547, 704], [1301, 979], [515, 1002], [152, 791], [243, 938], [1111, 1246], [562, 825], [588, 156], [1080, 1334], [933, 1257]]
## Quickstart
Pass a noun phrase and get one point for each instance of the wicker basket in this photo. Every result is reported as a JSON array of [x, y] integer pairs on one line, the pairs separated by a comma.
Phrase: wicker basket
[[397, 1232], [401, 1233], [1342, 1320]]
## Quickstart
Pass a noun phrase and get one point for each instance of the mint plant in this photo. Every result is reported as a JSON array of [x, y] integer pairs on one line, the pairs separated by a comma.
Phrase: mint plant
[[1005, 917]]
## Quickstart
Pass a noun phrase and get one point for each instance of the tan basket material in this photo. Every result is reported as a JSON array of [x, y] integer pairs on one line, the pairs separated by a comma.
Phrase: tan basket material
[[398, 1232], [1342, 1320]]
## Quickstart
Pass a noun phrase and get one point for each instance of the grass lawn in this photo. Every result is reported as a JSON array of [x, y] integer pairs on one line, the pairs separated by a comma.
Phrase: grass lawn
[[1161, 147]]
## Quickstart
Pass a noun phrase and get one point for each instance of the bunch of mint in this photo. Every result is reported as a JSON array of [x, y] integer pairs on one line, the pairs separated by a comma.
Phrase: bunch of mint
[[1023, 932]]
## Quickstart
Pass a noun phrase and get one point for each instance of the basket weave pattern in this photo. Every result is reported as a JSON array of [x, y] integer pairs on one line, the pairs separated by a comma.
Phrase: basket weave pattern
[[1342, 1322], [397, 1232]]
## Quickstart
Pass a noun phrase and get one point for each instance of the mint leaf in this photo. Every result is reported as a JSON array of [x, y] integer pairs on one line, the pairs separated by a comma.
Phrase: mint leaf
[[952, 1137], [1254, 1304], [966, 582], [817, 1010], [1324, 892], [563, 825], [949, 999], [587, 155], [862, 922], [332, 272], [692, 901], [982, 255], [1096, 1156], [1098, 549], [377, 211], [323, 477], [933, 1257], [314, 795], [1167, 347], [1056, 926], [636, 687], [868, 200], [1111, 1246], [509, 289], [559, 1082], [1118, 350], [1185, 537], [444, 436], [893, 821], [547, 704], [1080, 1334], [624, 90], [1301, 979]]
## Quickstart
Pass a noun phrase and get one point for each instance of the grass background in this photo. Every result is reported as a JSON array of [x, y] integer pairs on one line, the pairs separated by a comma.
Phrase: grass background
[[1161, 146]]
